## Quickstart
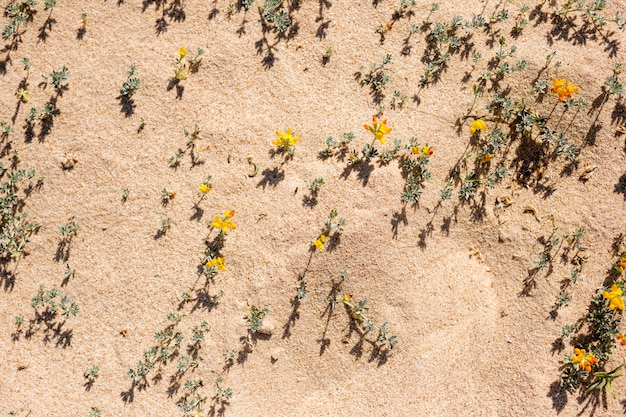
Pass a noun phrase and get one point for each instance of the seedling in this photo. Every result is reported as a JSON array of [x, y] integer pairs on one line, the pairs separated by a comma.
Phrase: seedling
[[132, 83], [92, 373], [254, 319], [95, 412], [222, 394], [125, 195], [186, 64], [167, 196], [69, 229], [333, 146], [316, 185]]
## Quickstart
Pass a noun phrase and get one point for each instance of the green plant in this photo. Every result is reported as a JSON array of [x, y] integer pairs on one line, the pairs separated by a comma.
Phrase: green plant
[[132, 83], [69, 229], [48, 299], [91, 373], [333, 146], [167, 196], [279, 18], [377, 77], [95, 412], [327, 231], [357, 311], [254, 319], [222, 394], [57, 78]]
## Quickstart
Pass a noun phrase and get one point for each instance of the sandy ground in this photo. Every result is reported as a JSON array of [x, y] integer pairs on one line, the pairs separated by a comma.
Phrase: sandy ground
[[449, 280]]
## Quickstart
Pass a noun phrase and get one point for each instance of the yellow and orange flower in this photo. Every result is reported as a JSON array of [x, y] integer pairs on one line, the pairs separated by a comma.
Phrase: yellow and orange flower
[[204, 188], [478, 124], [583, 359], [224, 224], [424, 150], [216, 263], [563, 88], [285, 140], [615, 298], [486, 157], [379, 129], [182, 52], [621, 338]]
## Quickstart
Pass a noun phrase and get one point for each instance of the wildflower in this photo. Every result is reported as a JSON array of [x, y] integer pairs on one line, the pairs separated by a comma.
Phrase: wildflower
[[224, 224], [478, 124], [181, 52], [424, 150], [285, 140], [216, 263], [563, 88], [204, 188], [621, 339], [346, 298], [487, 157], [615, 298], [319, 242], [583, 359], [378, 129]]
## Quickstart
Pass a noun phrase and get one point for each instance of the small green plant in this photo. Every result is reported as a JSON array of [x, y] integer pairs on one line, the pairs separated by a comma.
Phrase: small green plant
[[316, 185], [125, 194], [222, 394], [333, 146], [186, 64], [92, 373], [49, 301], [254, 319], [376, 78], [167, 196], [57, 78], [95, 412], [69, 229], [357, 312], [279, 18], [330, 225], [132, 83]]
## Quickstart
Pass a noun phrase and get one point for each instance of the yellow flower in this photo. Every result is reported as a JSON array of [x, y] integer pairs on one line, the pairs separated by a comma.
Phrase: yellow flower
[[477, 124], [204, 188], [583, 359], [285, 140], [182, 52], [378, 129], [224, 224], [229, 214], [346, 298], [319, 242], [562, 88], [217, 263], [615, 298]]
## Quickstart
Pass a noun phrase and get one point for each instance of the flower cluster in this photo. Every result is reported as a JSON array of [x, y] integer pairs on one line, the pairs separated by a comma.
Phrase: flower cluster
[[622, 340], [615, 298], [217, 263], [424, 150], [379, 129], [224, 223], [583, 360], [562, 88], [621, 265]]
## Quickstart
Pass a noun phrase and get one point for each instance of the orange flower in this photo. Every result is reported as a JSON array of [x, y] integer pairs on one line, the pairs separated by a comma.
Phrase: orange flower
[[424, 150], [487, 157], [621, 339], [378, 129], [562, 88]]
